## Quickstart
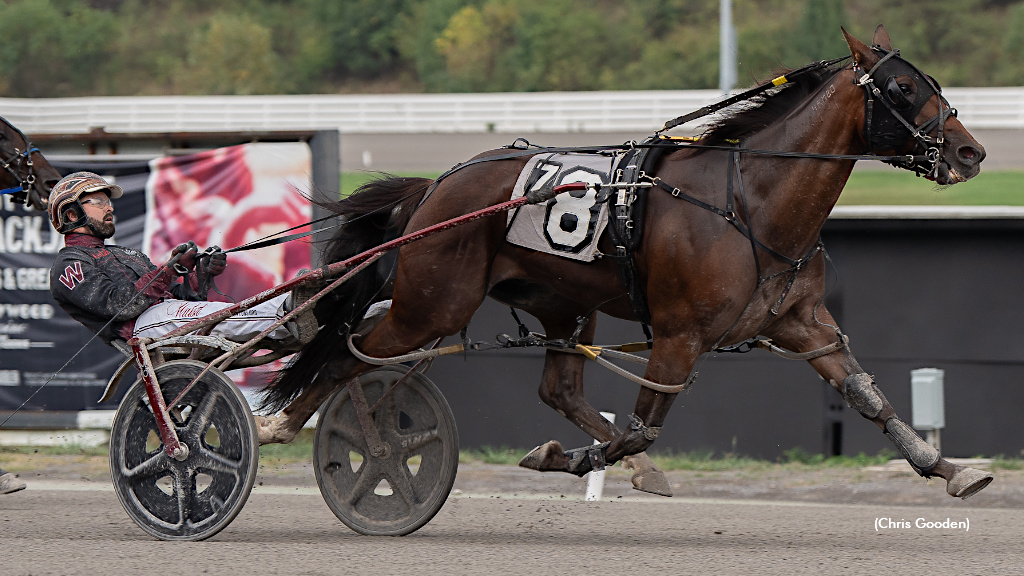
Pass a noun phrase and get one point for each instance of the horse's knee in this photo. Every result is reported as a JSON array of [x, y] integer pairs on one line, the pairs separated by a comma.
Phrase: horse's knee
[[862, 394]]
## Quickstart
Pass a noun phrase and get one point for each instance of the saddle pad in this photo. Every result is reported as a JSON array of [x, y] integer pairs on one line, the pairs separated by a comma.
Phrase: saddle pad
[[571, 223]]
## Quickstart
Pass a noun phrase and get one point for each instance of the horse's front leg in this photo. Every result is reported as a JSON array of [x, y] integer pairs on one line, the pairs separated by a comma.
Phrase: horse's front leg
[[841, 370], [562, 389]]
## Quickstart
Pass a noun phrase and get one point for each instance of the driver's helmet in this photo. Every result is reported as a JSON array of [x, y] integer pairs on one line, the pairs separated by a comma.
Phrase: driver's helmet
[[65, 194]]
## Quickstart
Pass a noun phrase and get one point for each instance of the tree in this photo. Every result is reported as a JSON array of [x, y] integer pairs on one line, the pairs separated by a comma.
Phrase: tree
[[51, 51], [1012, 71], [818, 36], [361, 34], [418, 30], [231, 55]]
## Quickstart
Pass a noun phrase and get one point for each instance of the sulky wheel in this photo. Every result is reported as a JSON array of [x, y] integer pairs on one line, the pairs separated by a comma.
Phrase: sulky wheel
[[401, 491], [195, 498]]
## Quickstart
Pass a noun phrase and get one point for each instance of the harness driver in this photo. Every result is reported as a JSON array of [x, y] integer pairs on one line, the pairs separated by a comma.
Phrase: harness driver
[[119, 293]]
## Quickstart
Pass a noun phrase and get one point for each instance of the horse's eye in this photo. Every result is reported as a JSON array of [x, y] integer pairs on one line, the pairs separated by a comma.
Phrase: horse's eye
[[907, 89]]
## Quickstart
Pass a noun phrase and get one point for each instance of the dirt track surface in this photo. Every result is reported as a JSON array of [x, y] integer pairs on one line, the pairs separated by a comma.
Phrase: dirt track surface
[[506, 520]]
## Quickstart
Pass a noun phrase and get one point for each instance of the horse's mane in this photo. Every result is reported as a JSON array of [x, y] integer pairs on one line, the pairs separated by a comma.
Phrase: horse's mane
[[762, 110]]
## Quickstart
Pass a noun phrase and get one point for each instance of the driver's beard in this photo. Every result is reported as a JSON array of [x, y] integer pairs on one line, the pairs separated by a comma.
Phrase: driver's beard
[[103, 230]]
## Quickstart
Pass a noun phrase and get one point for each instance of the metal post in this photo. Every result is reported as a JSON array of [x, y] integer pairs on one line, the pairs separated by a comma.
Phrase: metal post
[[727, 50]]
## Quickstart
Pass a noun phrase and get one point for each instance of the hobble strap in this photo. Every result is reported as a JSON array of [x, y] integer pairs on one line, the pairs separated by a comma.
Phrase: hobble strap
[[587, 459], [649, 432]]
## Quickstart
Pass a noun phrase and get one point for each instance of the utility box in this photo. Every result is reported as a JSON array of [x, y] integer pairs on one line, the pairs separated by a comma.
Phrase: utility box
[[926, 395]]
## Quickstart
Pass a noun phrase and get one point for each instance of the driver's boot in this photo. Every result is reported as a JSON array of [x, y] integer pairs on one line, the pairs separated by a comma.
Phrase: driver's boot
[[304, 326]]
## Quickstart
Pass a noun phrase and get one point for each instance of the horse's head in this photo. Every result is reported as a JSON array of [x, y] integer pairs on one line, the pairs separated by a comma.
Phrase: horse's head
[[26, 175], [905, 113]]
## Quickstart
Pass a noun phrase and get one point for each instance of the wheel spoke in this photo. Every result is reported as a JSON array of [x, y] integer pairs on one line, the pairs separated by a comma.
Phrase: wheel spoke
[[388, 421], [153, 465], [200, 416], [213, 462], [416, 440], [369, 475], [353, 436], [401, 482], [185, 493]]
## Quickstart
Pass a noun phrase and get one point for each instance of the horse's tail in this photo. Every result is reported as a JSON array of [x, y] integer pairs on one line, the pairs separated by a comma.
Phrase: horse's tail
[[375, 211]]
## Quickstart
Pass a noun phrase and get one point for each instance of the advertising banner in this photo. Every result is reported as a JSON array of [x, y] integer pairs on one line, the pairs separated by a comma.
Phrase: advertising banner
[[226, 197]]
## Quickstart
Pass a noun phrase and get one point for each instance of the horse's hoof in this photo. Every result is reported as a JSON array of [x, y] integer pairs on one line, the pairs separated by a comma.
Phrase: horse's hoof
[[652, 481], [545, 457], [270, 430], [967, 482], [647, 478]]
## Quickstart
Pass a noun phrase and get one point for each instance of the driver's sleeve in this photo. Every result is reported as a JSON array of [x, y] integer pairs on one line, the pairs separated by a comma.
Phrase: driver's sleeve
[[105, 293]]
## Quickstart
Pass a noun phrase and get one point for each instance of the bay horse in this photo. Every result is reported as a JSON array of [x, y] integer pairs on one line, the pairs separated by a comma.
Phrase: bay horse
[[709, 281], [26, 175]]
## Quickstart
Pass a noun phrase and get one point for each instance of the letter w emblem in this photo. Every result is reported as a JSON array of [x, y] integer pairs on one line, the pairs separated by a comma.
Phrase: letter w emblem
[[72, 275]]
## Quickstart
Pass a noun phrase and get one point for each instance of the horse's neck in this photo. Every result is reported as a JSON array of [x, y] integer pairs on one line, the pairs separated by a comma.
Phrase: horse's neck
[[796, 196]]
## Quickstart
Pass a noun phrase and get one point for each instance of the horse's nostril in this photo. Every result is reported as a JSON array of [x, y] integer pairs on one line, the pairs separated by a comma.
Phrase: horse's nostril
[[969, 154]]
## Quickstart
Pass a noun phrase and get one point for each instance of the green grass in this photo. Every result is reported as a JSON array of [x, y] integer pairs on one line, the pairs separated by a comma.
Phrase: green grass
[[1001, 462], [885, 187], [352, 180], [899, 187], [703, 461]]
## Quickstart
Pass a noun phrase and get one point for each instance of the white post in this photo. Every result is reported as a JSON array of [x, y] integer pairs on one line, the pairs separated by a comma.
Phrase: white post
[[595, 479]]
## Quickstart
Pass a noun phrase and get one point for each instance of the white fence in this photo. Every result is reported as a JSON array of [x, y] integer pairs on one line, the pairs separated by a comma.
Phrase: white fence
[[560, 112]]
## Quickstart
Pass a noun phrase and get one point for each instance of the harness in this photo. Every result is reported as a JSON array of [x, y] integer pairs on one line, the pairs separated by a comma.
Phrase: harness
[[884, 135], [624, 230], [14, 161], [884, 132]]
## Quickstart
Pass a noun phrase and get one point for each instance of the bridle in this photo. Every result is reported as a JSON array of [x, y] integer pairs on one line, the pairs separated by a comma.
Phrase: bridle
[[14, 162], [886, 133]]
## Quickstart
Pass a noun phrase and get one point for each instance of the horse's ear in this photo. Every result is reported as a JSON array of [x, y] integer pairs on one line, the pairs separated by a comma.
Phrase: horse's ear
[[881, 38], [861, 52]]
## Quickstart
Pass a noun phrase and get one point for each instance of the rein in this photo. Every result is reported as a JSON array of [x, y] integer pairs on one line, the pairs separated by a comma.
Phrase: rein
[[921, 164]]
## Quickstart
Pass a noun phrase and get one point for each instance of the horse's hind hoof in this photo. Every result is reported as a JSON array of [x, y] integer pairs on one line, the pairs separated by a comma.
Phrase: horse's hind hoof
[[271, 430], [546, 457], [967, 482], [652, 481]]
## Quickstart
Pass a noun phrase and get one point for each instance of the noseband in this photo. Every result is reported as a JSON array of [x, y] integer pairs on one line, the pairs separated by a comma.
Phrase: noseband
[[14, 161], [887, 132]]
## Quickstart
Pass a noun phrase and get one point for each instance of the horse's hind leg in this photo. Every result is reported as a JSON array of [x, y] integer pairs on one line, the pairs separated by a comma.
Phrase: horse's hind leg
[[562, 389], [841, 370], [282, 429], [404, 329]]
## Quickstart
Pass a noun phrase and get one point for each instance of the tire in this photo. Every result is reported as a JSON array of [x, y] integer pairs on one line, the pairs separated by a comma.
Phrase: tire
[[398, 493], [195, 498]]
